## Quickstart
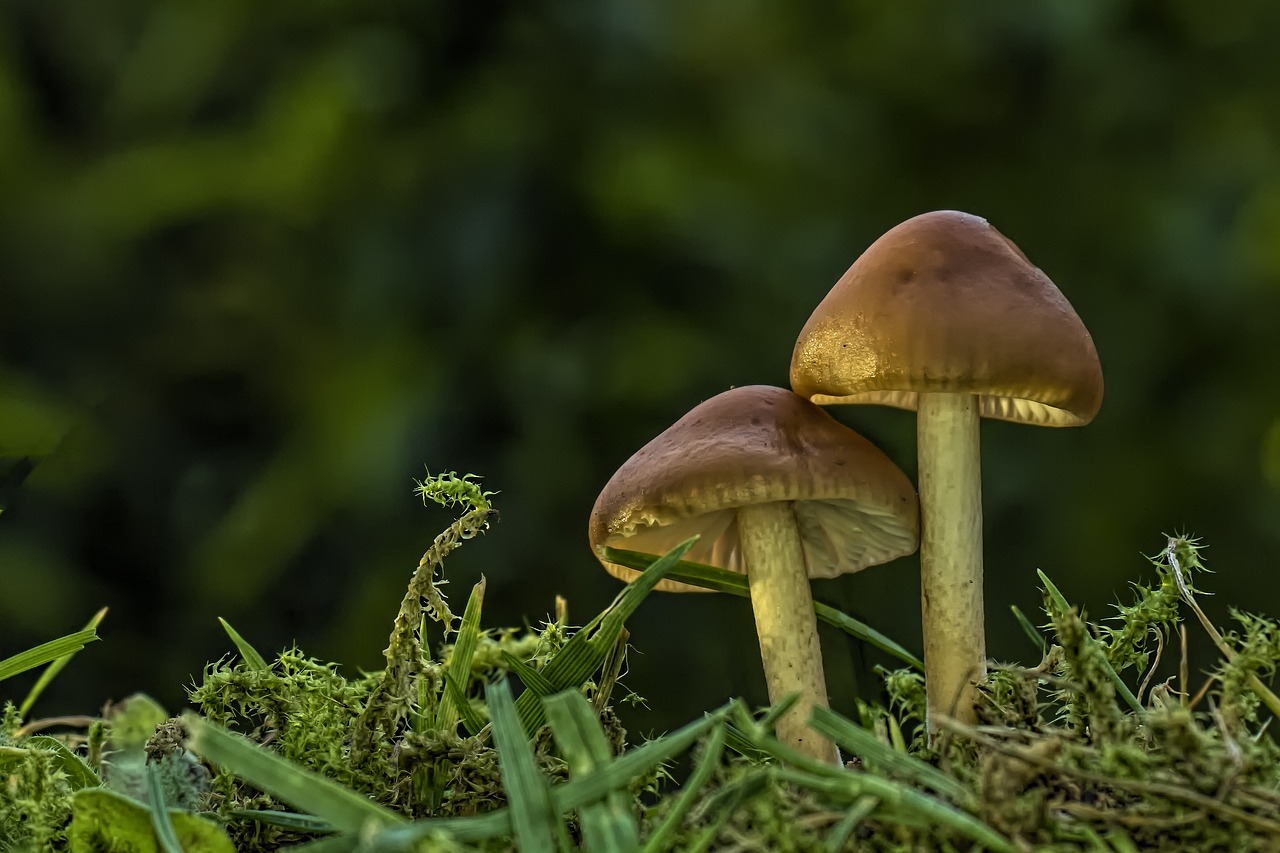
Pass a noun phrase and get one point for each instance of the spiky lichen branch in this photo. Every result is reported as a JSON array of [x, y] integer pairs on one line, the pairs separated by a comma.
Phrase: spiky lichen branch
[[396, 695]]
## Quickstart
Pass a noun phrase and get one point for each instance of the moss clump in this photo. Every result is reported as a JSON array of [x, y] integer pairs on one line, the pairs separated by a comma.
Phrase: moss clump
[[35, 797], [1066, 755]]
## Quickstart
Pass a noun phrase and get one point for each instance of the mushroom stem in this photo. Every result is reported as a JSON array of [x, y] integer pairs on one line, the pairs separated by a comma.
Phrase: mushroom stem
[[785, 621], [951, 553]]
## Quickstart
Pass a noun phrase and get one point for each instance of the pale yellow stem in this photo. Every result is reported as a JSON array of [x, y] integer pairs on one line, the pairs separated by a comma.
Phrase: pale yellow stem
[[951, 553], [785, 621]]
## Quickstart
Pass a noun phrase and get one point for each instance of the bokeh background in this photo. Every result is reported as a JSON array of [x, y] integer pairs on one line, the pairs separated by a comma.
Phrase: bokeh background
[[262, 263]]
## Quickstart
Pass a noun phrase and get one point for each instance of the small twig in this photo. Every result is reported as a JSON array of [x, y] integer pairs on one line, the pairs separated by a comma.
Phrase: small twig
[[998, 730], [1202, 692], [79, 721], [1126, 819], [1261, 798], [1039, 674], [1182, 666], [1261, 690], [1233, 752], [1142, 688]]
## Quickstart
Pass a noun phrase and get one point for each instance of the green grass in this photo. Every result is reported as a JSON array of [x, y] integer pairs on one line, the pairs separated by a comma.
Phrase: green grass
[[508, 740]]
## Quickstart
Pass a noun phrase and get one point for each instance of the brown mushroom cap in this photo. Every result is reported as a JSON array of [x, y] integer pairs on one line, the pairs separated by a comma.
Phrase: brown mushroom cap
[[946, 303], [854, 508]]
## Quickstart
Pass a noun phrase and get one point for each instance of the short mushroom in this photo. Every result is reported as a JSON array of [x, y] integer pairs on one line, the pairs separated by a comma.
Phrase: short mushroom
[[779, 490], [945, 315]]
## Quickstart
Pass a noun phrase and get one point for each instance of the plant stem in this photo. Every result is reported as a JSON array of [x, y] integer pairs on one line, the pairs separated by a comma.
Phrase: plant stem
[[1184, 589], [951, 553], [785, 622]]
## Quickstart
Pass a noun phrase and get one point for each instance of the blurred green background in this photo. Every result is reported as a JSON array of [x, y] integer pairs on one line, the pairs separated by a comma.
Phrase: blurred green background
[[261, 263]]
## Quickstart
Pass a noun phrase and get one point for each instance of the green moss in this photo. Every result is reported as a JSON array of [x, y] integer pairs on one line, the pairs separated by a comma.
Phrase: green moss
[[1068, 754], [35, 799]]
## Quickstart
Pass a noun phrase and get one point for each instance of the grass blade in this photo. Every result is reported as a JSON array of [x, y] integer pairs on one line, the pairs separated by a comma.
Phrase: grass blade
[[471, 719], [529, 677], [332, 844], [609, 824], [722, 580], [401, 839], [611, 671], [1030, 630], [840, 833], [248, 653], [862, 631], [587, 650], [923, 808], [46, 652], [660, 839], [533, 814], [634, 762], [773, 713], [459, 667], [723, 804], [165, 833], [874, 752], [56, 667], [287, 820], [1060, 601], [303, 789], [743, 745]]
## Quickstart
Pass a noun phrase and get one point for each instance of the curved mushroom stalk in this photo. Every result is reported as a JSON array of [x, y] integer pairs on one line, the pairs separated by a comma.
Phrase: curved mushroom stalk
[[785, 622]]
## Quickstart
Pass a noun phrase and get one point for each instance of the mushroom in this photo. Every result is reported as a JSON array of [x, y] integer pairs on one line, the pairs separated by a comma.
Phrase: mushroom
[[943, 314], [779, 490]]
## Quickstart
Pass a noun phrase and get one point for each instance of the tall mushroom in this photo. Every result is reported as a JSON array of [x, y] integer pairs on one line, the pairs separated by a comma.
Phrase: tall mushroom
[[778, 490], [944, 315]]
